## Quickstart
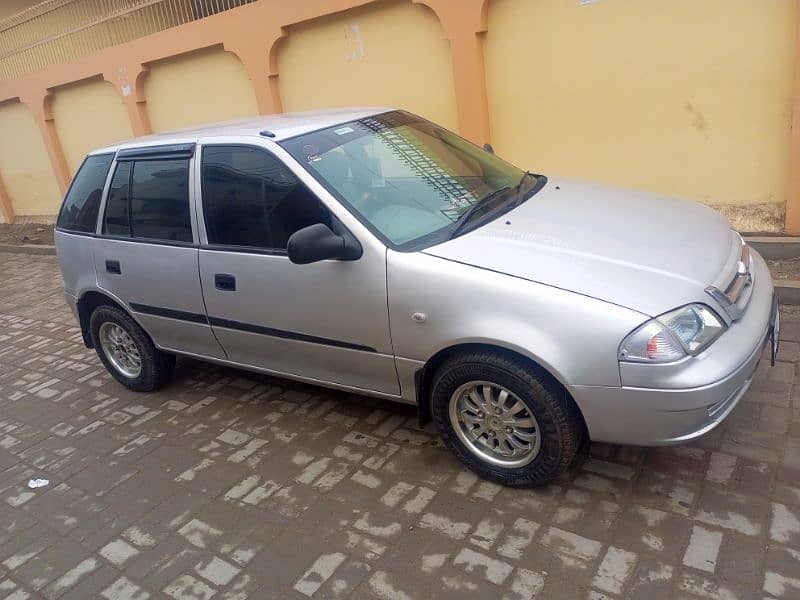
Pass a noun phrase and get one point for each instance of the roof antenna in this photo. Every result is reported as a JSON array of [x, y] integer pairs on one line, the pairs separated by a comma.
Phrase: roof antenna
[[267, 133]]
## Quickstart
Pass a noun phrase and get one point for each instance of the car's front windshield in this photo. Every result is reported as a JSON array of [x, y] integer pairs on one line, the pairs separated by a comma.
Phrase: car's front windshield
[[408, 179]]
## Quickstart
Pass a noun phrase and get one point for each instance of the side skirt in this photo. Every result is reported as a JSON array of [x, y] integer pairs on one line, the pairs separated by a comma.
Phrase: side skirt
[[326, 384]]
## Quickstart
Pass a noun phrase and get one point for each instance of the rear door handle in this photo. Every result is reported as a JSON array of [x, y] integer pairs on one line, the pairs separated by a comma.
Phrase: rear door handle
[[112, 266], [226, 283]]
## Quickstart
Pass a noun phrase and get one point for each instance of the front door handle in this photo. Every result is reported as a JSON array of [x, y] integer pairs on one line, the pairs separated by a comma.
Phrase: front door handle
[[226, 283], [112, 266]]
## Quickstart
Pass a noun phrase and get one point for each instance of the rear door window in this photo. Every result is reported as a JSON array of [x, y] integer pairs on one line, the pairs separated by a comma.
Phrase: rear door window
[[79, 212], [160, 200], [149, 199]]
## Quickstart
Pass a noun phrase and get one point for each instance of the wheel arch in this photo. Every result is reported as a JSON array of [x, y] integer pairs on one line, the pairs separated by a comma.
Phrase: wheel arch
[[423, 378], [86, 305]]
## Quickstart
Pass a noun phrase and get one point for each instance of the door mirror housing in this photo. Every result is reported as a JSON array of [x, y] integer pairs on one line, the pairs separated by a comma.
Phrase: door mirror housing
[[317, 242]]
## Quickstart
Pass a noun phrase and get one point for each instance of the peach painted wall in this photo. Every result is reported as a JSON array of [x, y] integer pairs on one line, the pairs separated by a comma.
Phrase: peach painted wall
[[387, 54], [88, 115], [684, 98], [201, 87], [24, 167]]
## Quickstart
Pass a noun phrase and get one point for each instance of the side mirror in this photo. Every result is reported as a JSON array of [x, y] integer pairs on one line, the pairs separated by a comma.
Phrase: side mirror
[[488, 147], [317, 242]]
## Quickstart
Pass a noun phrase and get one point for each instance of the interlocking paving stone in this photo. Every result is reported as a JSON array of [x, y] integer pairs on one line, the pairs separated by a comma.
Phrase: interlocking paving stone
[[703, 549], [227, 484]]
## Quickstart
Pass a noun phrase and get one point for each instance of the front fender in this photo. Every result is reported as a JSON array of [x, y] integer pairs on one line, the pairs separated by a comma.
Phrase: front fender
[[435, 303]]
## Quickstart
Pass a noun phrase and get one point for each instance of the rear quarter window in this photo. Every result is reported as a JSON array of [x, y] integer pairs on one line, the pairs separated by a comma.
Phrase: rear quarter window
[[80, 208]]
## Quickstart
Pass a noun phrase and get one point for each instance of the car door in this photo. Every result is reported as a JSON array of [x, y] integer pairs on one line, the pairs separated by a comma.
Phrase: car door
[[327, 321], [145, 252]]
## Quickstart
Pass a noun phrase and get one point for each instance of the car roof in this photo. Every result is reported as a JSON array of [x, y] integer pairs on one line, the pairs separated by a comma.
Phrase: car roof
[[283, 126]]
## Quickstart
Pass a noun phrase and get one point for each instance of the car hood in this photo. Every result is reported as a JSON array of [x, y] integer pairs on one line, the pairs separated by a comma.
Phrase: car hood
[[637, 250]]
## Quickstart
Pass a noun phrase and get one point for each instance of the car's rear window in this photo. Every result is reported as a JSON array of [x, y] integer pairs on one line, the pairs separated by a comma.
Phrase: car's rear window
[[79, 212], [160, 200]]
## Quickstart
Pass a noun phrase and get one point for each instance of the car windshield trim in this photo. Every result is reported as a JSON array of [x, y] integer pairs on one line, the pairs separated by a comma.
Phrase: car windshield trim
[[310, 147]]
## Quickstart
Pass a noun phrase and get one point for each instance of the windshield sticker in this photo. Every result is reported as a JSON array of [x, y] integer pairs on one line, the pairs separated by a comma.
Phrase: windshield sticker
[[343, 130], [311, 151]]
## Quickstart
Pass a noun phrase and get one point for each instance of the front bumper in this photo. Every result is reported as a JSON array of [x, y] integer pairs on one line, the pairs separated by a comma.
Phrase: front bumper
[[690, 398]]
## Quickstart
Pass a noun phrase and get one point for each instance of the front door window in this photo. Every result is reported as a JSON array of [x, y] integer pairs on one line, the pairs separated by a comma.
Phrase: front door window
[[251, 199]]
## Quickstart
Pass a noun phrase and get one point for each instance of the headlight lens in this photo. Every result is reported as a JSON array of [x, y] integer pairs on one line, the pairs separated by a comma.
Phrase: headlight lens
[[685, 331], [696, 326]]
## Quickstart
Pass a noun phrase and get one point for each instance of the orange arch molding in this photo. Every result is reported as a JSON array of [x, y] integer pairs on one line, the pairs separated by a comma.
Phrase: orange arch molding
[[792, 221], [251, 32], [6, 210]]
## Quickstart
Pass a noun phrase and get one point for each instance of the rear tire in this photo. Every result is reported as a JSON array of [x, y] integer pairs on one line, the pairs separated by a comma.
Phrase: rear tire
[[506, 420], [127, 352]]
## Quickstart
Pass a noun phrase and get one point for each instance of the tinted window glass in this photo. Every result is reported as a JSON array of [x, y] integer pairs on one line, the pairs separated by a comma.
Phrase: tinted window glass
[[79, 212], [250, 198], [116, 220], [160, 200]]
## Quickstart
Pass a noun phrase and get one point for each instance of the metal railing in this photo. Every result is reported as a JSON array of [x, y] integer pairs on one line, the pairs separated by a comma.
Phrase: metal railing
[[56, 31]]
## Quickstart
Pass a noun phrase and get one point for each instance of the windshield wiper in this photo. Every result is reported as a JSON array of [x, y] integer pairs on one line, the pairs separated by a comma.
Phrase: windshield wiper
[[518, 188], [483, 204], [522, 179], [474, 210]]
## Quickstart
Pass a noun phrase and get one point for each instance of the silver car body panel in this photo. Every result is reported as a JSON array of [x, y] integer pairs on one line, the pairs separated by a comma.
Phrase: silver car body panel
[[572, 336], [663, 416], [155, 280], [310, 380], [666, 404], [76, 257], [287, 300], [629, 248], [732, 348], [561, 280]]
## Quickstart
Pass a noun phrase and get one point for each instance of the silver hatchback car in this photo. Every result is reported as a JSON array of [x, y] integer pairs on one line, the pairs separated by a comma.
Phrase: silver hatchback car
[[373, 251]]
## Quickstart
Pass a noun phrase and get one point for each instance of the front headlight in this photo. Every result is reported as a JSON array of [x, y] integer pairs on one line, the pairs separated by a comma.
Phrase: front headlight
[[685, 331]]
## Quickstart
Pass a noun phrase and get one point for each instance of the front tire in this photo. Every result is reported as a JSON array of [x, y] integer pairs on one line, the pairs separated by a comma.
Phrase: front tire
[[127, 352], [506, 420]]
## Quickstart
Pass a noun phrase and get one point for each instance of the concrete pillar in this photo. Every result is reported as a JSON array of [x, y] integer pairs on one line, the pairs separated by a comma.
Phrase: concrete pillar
[[128, 80], [39, 104], [792, 223], [464, 25], [6, 209], [256, 54]]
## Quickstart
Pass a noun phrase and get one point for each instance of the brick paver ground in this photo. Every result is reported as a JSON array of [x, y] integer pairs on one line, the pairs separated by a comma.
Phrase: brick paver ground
[[234, 485]]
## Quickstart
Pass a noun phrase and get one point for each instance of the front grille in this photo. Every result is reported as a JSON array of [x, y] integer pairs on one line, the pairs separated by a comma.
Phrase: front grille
[[737, 293]]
